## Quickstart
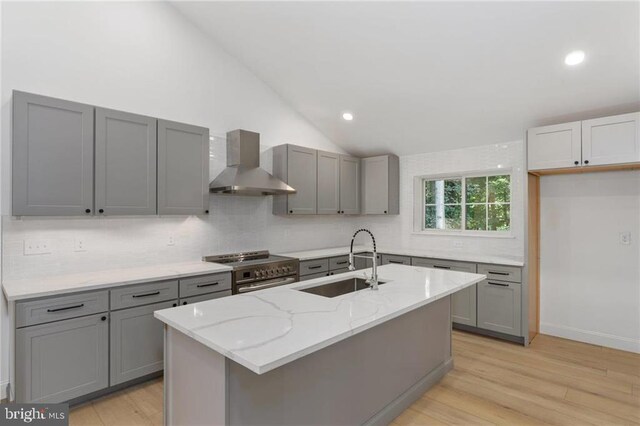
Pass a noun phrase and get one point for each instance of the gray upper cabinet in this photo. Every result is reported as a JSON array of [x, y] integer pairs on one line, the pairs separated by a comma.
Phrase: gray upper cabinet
[[297, 166], [329, 183], [183, 168], [499, 306], [125, 163], [62, 360], [137, 342], [349, 185], [52, 156], [380, 185]]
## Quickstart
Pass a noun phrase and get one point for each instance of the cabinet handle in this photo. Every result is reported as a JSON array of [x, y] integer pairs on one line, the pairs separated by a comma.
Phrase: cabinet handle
[[104, 318], [500, 284], [290, 211], [576, 162], [101, 211], [66, 309], [87, 211], [206, 285], [385, 212], [175, 304], [147, 294], [342, 263], [498, 273], [586, 161], [206, 211], [315, 267], [442, 267], [400, 262]]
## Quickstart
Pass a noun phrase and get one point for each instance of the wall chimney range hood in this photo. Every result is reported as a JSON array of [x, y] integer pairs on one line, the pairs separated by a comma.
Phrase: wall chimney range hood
[[243, 175]]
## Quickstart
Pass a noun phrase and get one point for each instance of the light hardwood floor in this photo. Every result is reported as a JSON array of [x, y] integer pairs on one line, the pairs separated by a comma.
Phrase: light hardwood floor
[[553, 381]]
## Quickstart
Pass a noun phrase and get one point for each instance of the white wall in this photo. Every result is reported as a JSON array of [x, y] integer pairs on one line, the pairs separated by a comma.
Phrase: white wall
[[398, 231], [144, 57], [589, 282]]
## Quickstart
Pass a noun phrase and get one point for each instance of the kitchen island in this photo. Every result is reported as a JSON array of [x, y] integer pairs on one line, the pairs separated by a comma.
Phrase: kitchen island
[[288, 356]]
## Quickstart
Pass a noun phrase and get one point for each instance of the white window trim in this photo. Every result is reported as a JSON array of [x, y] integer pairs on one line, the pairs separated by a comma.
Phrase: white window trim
[[419, 205]]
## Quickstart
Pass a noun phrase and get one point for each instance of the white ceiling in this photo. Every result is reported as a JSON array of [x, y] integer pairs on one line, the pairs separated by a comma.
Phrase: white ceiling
[[422, 77]]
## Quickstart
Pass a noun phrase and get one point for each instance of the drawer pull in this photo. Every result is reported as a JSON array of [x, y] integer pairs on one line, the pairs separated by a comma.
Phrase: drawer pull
[[207, 285], [315, 267], [155, 293], [399, 262], [344, 262], [499, 273], [442, 267], [66, 309], [500, 284]]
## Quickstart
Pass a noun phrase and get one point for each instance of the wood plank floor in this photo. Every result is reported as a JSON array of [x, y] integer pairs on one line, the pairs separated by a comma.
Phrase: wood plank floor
[[553, 381]]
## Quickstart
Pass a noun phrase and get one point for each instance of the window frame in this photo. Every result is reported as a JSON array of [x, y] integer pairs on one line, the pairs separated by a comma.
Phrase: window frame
[[420, 204]]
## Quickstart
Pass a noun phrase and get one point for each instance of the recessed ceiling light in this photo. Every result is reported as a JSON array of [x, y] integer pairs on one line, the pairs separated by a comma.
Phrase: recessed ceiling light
[[347, 116], [574, 58]]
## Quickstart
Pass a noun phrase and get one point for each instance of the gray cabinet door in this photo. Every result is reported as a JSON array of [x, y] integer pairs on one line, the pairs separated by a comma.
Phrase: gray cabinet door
[[375, 185], [395, 259], [183, 168], [125, 165], [62, 360], [328, 183], [499, 306], [349, 185], [302, 176], [52, 156], [463, 306], [137, 342]]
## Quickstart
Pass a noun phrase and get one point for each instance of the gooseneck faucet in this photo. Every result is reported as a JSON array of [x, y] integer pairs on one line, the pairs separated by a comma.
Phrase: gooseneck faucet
[[373, 281]]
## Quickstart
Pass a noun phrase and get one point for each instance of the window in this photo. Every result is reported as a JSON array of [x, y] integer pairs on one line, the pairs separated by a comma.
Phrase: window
[[471, 203]]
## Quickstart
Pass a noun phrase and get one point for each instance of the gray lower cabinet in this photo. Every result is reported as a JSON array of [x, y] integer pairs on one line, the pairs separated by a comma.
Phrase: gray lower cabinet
[[62, 360], [349, 185], [381, 185], [312, 276], [137, 342], [203, 297], [125, 163], [297, 166], [52, 156], [499, 306], [329, 183], [183, 168]]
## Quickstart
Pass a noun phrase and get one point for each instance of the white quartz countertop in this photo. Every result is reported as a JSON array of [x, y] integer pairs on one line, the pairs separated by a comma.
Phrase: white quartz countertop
[[340, 251], [49, 286], [265, 329]]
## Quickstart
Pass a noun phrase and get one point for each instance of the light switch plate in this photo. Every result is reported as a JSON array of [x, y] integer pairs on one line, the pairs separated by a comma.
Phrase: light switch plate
[[625, 238], [78, 245], [32, 247]]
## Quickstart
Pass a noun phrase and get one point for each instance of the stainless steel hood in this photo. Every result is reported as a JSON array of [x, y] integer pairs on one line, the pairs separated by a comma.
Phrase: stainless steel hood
[[243, 175]]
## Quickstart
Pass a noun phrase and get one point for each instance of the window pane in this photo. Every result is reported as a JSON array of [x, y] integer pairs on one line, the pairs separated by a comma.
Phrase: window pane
[[499, 189], [476, 190], [499, 217], [453, 191], [453, 217], [430, 192], [430, 217], [476, 217]]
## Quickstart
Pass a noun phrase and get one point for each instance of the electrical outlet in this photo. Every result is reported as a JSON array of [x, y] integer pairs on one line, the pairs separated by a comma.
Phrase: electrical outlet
[[458, 244], [625, 238], [171, 241], [78, 245], [37, 247]]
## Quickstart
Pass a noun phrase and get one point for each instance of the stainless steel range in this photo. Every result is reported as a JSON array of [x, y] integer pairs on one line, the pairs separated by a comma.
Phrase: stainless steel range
[[257, 270]]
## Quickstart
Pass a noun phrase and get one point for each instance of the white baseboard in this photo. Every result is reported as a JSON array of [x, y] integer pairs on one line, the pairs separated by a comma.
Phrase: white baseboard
[[593, 337]]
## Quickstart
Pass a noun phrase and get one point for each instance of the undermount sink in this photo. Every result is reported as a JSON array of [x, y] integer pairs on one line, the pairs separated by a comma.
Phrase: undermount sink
[[338, 288]]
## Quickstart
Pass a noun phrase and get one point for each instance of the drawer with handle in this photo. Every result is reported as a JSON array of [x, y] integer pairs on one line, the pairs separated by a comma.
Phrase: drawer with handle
[[500, 272], [395, 259], [58, 308], [203, 297], [340, 262], [308, 267], [205, 284], [448, 265], [143, 294]]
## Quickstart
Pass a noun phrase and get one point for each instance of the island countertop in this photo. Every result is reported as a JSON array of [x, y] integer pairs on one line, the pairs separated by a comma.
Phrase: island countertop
[[265, 329]]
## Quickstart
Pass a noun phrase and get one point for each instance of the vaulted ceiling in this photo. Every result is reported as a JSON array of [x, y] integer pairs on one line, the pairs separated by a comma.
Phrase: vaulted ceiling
[[428, 76]]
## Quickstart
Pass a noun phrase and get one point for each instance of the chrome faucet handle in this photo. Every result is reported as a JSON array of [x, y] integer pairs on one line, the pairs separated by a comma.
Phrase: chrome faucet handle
[[351, 265]]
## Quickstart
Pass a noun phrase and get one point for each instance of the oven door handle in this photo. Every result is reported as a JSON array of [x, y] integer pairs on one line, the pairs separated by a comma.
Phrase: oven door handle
[[267, 284]]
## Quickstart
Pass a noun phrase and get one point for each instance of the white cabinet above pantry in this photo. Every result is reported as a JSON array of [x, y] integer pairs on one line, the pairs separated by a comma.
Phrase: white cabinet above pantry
[[606, 141]]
